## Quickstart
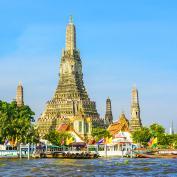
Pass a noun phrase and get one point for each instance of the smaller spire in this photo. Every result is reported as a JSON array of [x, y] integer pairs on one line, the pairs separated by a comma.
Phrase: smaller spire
[[135, 121], [135, 99], [122, 112], [70, 19], [108, 116], [108, 99], [70, 36], [134, 87], [20, 83], [19, 95]]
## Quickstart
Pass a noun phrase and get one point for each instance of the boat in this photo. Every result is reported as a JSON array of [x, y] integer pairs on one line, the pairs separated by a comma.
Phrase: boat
[[145, 153]]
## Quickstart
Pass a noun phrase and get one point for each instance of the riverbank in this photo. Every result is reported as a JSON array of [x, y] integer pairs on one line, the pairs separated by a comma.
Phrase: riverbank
[[14, 154]]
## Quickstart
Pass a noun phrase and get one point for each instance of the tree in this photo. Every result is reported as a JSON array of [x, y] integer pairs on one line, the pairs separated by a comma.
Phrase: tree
[[16, 123], [174, 144], [157, 130], [57, 138], [164, 140], [142, 136], [99, 133]]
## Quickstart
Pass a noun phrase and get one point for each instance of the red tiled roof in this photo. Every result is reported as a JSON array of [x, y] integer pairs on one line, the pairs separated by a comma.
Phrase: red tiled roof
[[63, 127]]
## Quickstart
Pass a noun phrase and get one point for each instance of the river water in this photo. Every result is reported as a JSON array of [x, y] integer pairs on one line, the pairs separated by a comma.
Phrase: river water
[[96, 167]]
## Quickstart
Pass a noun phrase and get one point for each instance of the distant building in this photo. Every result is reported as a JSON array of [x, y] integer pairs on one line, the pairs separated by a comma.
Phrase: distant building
[[108, 116], [19, 95], [135, 121], [171, 128], [71, 103]]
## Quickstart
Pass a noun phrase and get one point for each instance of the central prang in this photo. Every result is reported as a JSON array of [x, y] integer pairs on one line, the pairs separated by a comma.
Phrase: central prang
[[71, 103]]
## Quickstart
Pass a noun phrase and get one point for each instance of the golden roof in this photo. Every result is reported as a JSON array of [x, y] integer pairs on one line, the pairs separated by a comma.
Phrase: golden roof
[[121, 125]]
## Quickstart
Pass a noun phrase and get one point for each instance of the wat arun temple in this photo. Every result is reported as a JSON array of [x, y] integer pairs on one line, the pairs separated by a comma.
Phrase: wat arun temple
[[71, 108], [70, 104]]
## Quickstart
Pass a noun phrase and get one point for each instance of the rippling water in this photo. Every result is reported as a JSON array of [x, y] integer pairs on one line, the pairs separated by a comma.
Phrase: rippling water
[[97, 167]]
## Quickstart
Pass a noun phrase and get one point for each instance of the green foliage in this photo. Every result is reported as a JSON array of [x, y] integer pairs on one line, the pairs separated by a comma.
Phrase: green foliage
[[99, 133], [142, 136], [175, 141], [56, 138], [165, 140], [15, 123], [155, 130]]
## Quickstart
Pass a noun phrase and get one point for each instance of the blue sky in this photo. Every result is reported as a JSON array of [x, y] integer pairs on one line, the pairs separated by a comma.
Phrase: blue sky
[[122, 43]]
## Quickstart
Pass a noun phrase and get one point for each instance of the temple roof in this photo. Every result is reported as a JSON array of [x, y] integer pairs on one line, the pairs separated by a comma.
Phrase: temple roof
[[67, 128], [121, 125], [63, 127], [122, 118]]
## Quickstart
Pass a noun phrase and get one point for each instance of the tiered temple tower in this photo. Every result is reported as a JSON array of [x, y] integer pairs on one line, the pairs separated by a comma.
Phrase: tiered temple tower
[[19, 95], [70, 101], [108, 116], [135, 121]]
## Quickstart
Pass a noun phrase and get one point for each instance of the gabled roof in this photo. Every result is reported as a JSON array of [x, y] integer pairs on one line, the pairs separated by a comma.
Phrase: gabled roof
[[63, 127], [121, 125]]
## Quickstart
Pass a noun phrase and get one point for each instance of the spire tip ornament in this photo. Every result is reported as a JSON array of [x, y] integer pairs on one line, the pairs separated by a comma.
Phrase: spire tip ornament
[[70, 19], [70, 36]]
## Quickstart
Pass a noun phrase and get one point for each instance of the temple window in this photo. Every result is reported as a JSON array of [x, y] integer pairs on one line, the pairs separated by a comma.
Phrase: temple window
[[86, 127], [80, 126]]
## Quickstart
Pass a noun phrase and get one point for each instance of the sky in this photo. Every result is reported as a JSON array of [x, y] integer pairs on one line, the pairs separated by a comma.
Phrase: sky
[[122, 44]]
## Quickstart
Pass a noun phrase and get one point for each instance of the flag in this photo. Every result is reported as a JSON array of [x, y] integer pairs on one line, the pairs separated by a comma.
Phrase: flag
[[150, 141], [108, 140], [62, 141], [69, 140], [154, 142], [16, 141], [6, 142], [100, 141]]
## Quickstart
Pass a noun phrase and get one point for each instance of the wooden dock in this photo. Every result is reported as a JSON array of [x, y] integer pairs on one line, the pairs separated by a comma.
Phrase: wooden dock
[[66, 155]]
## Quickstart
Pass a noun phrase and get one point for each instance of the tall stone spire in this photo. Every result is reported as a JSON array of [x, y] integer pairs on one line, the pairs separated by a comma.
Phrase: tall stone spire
[[19, 95], [135, 121], [108, 115], [70, 36], [71, 100]]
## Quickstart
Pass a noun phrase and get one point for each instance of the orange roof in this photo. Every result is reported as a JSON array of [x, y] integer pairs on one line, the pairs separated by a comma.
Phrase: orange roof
[[91, 141], [63, 127], [121, 125]]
